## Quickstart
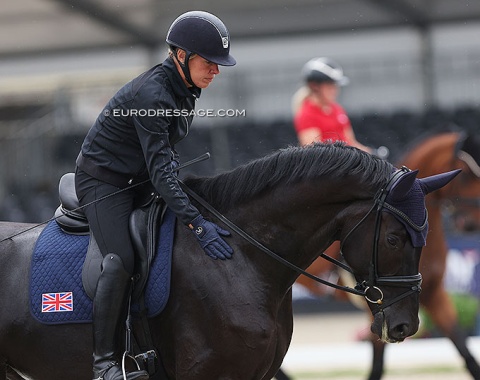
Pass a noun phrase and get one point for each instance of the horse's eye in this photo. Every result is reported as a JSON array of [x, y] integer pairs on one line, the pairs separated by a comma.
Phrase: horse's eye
[[392, 240]]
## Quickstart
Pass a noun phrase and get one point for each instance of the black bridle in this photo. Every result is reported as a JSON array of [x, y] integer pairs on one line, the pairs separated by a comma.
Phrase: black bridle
[[367, 288], [371, 287]]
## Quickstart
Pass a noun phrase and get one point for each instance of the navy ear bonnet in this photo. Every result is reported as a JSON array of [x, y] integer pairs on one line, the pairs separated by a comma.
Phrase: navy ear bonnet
[[412, 205], [406, 201]]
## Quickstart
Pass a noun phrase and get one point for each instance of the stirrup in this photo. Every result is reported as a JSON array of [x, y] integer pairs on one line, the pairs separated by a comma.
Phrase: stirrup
[[126, 356], [148, 361]]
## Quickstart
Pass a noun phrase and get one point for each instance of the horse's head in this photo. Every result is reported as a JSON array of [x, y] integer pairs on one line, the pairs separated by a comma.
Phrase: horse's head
[[458, 203], [462, 197], [383, 246]]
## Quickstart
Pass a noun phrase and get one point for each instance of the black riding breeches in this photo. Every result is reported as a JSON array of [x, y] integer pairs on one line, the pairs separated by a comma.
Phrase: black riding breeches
[[108, 217]]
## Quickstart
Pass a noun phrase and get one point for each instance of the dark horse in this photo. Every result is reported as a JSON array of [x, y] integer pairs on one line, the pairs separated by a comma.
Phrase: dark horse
[[233, 319], [431, 155]]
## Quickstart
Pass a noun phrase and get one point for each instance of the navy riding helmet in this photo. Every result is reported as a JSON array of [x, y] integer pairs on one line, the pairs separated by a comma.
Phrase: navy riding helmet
[[201, 33]]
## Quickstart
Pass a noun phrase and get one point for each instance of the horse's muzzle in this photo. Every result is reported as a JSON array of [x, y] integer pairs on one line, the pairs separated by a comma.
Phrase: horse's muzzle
[[392, 332]]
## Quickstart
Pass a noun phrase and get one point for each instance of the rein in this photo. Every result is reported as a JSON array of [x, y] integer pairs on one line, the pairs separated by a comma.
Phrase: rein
[[268, 251], [366, 288]]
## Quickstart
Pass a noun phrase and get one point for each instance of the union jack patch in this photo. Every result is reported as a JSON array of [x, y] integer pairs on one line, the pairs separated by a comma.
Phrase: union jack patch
[[57, 302]]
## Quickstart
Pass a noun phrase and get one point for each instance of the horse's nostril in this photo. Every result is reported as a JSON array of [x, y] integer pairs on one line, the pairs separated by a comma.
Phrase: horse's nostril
[[400, 331]]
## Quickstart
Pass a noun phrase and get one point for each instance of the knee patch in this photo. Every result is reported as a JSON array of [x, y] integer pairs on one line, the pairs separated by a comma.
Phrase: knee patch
[[112, 263]]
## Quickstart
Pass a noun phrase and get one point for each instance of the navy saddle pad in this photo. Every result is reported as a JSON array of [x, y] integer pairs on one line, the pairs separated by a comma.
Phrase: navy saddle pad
[[56, 291]]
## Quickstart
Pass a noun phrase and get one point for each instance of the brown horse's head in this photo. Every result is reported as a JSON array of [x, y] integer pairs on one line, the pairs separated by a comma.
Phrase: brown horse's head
[[459, 201], [394, 230], [463, 195]]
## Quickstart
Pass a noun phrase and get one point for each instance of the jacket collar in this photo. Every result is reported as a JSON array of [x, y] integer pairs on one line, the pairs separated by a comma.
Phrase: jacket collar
[[179, 87]]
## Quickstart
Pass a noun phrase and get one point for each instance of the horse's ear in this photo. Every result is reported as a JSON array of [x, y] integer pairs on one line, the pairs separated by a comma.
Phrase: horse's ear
[[436, 182], [400, 188]]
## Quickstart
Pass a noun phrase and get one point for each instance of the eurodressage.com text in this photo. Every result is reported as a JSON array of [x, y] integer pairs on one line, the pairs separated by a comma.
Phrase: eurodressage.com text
[[118, 112]]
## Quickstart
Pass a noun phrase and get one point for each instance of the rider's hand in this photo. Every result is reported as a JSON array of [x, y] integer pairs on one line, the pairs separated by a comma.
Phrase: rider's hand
[[175, 164], [208, 235]]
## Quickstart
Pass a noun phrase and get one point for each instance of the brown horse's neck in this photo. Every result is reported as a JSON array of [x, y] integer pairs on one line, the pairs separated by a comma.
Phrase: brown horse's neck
[[434, 156]]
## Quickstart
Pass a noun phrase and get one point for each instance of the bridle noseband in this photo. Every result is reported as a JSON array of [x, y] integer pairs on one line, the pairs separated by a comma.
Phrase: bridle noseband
[[371, 287]]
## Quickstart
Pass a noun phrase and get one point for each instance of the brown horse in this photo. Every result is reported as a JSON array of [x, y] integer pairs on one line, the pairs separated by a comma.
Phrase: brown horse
[[435, 154]]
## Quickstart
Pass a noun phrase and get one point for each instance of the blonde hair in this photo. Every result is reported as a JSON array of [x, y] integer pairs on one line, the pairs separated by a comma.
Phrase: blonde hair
[[171, 53], [299, 97]]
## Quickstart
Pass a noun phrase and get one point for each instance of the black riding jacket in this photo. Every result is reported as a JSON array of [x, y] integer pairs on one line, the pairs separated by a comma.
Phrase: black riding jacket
[[133, 138]]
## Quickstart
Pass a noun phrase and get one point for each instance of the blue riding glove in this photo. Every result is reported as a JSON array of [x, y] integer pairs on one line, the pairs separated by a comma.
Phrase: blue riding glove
[[175, 164], [208, 235]]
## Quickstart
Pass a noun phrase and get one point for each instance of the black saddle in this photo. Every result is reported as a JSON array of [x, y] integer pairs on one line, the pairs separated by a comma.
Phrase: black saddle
[[144, 226]]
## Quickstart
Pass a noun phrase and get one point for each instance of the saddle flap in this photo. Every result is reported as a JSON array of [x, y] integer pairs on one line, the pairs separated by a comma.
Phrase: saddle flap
[[144, 226], [92, 267]]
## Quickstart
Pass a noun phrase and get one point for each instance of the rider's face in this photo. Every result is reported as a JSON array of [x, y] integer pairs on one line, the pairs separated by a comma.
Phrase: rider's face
[[326, 92], [202, 71]]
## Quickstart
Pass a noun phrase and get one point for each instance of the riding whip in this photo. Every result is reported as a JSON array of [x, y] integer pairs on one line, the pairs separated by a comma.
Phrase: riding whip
[[200, 158]]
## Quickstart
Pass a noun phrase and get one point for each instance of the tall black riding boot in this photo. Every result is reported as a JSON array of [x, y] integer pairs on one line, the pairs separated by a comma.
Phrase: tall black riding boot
[[109, 306]]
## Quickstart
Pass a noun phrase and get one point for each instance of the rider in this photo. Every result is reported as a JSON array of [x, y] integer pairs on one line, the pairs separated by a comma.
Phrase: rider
[[318, 116], [132, 140]]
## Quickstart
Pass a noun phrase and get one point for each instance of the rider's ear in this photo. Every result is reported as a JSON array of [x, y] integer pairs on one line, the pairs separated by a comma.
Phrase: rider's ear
[[403, 185], [180, 54], [435, 182]]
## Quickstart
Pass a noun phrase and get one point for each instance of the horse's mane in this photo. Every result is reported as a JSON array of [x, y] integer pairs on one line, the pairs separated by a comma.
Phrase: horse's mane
[[288, 166]]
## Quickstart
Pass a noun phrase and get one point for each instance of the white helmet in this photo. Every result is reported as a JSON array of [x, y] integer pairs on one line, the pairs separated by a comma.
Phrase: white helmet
[[324, 70]]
